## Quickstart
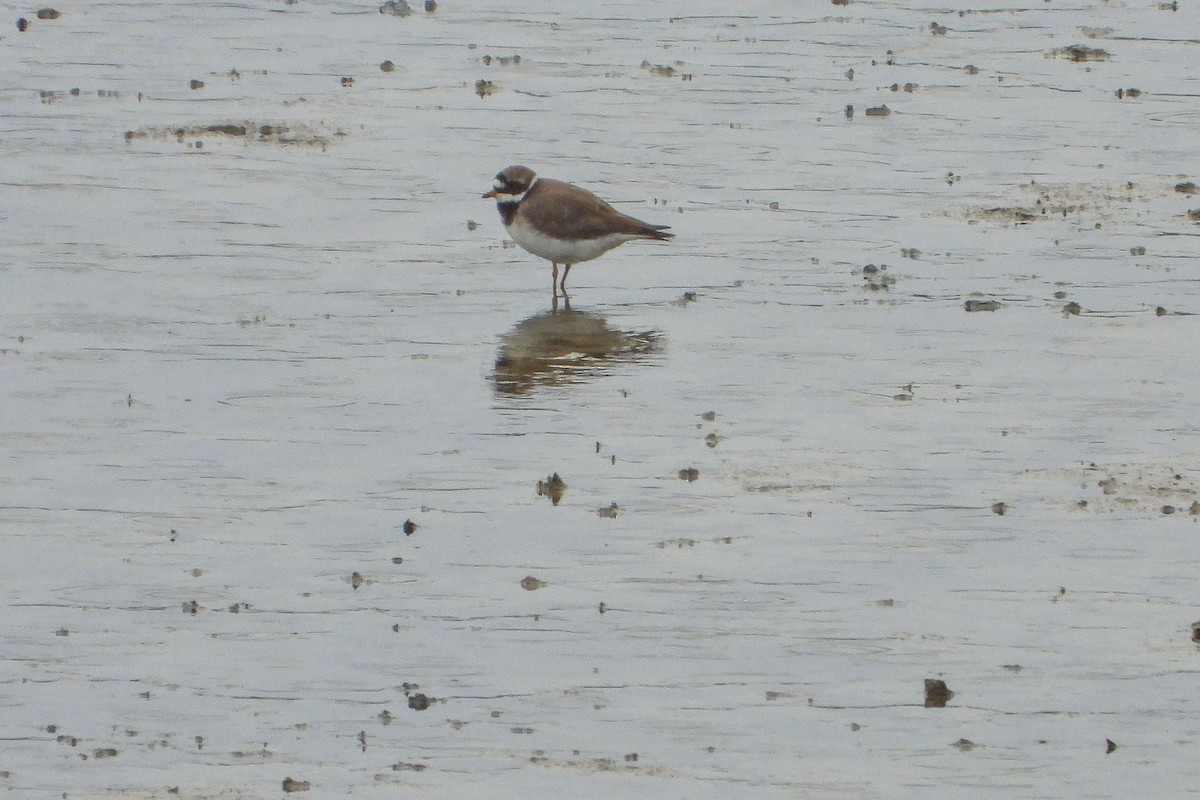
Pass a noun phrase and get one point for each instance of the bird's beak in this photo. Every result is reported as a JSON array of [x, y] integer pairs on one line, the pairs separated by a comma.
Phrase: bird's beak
[[491, 194]]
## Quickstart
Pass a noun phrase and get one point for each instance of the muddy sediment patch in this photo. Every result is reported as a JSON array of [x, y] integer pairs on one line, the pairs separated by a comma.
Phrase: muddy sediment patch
[[1091, 203], [288, 134], [1080, 53], [1156, 489]]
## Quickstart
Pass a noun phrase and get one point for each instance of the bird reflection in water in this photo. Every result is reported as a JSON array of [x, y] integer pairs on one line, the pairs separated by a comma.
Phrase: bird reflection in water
[[561, 347]]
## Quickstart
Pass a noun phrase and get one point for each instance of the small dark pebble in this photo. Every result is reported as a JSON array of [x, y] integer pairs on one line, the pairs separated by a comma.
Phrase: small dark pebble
[[981, 305], [387, 66], [48, 13], [553, 487], [1196, 632], [937, 693], [195, 84], [689, 474], [1072, 309], [410, 527], [1187, 187], [418, 702], [356, 580], [1109, 746], [22, 24], [290, 785], [347, 81], [397, 8], [878, 111], [431, 6], [1000, 509]]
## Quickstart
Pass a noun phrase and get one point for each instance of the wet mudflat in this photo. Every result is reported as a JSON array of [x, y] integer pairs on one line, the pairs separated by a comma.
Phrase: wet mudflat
[[307, 486]]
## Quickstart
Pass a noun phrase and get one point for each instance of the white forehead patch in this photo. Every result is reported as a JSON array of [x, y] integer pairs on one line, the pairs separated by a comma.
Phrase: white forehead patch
[[497, 184], [510, 197]]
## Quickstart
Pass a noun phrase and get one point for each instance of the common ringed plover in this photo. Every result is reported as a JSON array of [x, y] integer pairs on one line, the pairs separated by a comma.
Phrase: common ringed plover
[[563, 223]]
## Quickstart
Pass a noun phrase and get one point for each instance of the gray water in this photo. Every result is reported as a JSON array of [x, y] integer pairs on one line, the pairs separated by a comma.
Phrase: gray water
[[252, 328]]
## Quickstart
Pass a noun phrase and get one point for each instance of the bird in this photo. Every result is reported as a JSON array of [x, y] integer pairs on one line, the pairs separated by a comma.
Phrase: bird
[[563, 223]]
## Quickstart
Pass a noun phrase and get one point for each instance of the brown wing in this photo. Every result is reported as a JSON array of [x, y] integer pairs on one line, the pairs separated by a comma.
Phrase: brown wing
[[577, 213]]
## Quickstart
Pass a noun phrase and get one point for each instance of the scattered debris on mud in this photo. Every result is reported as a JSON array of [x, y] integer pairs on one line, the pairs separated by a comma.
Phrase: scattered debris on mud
[[297, 135], [1080, 53]]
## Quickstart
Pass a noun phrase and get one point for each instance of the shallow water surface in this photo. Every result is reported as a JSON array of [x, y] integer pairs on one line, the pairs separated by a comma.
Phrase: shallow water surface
[[911, 395]]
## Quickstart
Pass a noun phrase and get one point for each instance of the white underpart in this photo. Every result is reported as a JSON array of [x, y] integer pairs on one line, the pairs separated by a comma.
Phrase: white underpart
[[560, 251]]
